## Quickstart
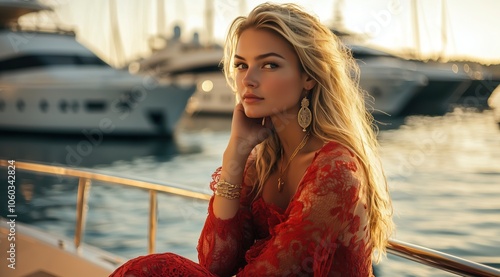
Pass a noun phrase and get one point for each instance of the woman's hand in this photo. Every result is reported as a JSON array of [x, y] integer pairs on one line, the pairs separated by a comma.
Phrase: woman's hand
[[248, 132]]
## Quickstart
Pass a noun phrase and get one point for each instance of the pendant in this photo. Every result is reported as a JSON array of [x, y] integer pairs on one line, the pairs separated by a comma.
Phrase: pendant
[[280, 184]]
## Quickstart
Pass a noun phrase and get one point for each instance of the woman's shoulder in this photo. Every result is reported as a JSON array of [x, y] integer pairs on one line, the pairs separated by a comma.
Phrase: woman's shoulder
[[334, 154], [335, 149]]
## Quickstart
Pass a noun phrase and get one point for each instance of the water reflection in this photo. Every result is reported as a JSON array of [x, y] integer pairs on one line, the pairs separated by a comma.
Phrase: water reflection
[[88, 151]]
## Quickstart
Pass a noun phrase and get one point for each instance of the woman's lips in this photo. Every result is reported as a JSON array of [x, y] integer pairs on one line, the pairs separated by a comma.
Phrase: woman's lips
[[251, 98]]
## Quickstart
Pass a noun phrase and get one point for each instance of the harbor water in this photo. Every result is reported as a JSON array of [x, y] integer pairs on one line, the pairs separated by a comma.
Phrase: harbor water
[[443, 172]]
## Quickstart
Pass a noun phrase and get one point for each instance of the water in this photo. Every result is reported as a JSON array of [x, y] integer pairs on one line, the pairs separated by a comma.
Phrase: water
[[444, 175]]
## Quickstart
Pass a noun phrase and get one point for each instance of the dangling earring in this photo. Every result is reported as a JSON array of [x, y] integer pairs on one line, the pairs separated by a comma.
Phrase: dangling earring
[[304, 116]]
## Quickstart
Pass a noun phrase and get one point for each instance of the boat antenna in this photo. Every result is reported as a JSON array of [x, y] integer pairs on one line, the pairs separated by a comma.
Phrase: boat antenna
[[209, 20], [416, 32]]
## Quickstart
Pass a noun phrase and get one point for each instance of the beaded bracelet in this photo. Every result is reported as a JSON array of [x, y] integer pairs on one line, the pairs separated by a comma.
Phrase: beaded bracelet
[[227, 190]]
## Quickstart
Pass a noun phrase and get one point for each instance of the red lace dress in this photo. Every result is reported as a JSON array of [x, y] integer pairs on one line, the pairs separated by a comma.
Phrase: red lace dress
[[323, 232]]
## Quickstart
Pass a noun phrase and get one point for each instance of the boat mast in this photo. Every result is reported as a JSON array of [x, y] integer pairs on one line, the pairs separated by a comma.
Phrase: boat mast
[[160, 19], [416, 30], [209, 20], [116, 42], [338, 17], [444, 27]]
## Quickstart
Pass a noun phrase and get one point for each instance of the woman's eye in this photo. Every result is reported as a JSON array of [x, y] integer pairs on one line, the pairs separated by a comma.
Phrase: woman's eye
[[240, 66], [270, 65]]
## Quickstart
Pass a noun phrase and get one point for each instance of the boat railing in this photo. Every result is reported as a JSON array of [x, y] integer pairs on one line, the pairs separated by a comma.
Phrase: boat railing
[[416, 253]]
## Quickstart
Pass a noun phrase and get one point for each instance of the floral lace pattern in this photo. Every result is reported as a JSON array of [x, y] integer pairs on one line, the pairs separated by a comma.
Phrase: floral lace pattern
[[323, 232]]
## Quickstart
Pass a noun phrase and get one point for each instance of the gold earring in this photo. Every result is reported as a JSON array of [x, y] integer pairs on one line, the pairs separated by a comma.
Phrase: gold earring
[[304, 116]]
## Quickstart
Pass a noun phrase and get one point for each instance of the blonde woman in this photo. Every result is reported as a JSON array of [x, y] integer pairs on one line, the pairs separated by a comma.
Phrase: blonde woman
[[301, 190]]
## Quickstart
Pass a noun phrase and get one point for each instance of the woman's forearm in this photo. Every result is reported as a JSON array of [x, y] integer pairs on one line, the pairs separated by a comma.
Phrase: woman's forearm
[[233, 165]]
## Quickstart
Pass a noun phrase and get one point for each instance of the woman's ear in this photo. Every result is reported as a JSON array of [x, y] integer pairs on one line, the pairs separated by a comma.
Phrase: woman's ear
[[309, 82]]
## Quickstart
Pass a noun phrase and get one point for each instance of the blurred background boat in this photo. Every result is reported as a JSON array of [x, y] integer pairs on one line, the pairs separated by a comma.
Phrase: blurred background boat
[[452, 82], [50, 83], [202, 63]]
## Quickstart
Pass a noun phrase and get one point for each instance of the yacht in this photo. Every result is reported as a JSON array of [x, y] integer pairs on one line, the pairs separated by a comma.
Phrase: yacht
[[200, 63], [450, 84], [391, 82], [50, 83]]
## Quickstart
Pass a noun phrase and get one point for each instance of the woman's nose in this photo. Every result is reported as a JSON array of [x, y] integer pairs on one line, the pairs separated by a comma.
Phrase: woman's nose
[[250, 78]]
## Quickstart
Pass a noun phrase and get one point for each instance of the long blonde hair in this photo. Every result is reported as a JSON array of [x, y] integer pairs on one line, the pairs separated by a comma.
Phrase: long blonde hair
[[337, 102]]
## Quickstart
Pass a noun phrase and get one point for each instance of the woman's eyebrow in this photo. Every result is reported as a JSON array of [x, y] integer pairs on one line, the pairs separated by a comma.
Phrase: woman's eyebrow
[[262, 56]]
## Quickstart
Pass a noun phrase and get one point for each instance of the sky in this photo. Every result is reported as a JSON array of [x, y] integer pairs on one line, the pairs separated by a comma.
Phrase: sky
[[447, 29]]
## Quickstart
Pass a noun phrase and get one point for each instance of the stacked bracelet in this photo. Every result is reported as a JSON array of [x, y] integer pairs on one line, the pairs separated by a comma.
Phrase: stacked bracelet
[[227, 190]]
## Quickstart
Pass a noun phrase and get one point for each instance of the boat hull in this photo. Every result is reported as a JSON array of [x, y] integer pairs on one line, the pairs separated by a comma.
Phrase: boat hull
[[74, 109]]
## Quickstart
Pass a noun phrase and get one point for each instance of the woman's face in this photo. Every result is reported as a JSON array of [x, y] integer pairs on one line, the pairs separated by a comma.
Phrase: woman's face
[[268, 76]]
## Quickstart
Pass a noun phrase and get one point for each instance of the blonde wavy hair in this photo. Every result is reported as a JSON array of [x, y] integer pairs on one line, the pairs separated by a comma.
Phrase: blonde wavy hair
[[337, 101]]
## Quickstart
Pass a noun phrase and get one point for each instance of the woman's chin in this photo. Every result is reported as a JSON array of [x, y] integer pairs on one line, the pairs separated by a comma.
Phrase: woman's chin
[[253, 114]]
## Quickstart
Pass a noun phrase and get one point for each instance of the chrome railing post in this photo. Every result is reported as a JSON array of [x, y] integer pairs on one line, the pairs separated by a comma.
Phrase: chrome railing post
[[152, 221], [81, 208]]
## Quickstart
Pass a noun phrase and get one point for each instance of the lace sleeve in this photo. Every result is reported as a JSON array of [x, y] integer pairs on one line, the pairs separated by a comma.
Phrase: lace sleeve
[[326, 229], [223, 243]]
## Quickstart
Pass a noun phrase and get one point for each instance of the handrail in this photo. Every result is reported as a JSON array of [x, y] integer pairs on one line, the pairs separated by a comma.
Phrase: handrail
[[440, 260], [406, 250], [84, 181]]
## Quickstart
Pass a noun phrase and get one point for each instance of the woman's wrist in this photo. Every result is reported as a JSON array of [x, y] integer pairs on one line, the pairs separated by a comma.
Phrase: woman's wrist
[[234, 160], [239, 147]]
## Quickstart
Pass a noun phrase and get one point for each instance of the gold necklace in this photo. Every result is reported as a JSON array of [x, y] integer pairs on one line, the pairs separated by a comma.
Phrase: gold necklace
[[281, 183]]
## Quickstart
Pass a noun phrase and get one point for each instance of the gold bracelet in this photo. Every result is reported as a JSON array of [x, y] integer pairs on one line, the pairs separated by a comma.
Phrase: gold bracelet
[[227, 190], [226, 185], [230, 195]]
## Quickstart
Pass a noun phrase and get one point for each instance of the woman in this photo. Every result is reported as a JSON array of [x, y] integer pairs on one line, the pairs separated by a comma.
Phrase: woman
[[301, 190]]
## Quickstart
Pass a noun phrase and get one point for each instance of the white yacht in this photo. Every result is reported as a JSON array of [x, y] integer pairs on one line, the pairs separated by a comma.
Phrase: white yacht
[[391, 82], [202, 64], [50, 83]]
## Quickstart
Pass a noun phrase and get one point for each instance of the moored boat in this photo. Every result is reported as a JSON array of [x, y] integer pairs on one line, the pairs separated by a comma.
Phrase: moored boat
[[50, 83]]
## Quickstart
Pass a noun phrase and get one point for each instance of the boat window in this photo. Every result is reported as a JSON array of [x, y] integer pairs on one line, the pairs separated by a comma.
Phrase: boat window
[[44, 105], [30, 61], [95, 106], [63, 105], [363, 53], [20, 105], [198, 70]]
